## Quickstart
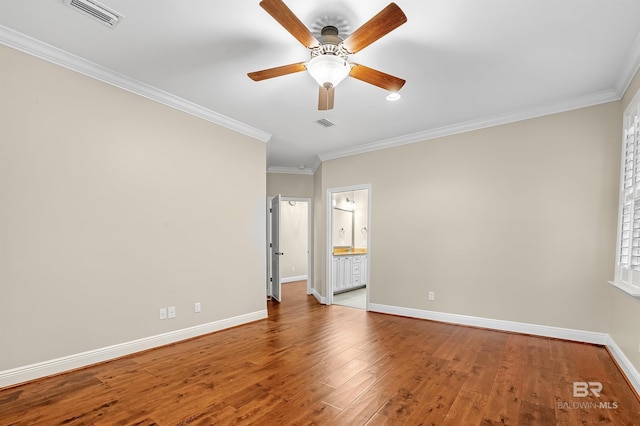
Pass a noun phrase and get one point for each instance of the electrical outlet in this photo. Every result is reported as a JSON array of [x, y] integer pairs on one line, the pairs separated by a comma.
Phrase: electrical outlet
[[172, 311], [293, 269], [196, 307], [163, 313], [432, 295]]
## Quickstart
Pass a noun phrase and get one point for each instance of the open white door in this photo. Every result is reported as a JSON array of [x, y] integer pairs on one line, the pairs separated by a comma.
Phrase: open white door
[[275, 248]]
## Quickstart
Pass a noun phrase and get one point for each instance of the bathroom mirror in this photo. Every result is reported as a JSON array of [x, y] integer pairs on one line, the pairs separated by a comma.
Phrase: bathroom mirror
[[342, 228]]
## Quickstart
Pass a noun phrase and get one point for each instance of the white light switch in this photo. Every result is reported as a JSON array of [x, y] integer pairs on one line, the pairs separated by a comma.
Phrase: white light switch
[[196, 307], [172, 311], [163, 313]]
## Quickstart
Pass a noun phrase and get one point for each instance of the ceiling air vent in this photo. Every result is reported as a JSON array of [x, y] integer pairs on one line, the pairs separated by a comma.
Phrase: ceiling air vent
[[96, 11], [325, 123]]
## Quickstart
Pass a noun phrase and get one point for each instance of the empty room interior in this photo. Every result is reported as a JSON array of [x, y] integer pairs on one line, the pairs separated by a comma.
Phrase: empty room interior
[[456, 213]]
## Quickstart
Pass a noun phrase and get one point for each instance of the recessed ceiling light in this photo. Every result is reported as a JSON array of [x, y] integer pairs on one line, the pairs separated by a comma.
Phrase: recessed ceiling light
[[393, 96]]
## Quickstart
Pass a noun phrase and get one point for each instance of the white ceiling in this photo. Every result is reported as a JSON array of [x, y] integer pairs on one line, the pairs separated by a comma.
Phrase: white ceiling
[[468, 64]]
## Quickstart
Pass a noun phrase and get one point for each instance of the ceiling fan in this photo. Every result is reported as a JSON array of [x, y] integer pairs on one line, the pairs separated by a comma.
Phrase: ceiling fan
[[329, 53]]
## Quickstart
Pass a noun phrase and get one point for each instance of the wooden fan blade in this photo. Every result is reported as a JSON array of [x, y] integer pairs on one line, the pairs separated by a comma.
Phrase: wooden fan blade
[[277, 71], [387, 20], [325, 98], [377, 78], [281, 13]]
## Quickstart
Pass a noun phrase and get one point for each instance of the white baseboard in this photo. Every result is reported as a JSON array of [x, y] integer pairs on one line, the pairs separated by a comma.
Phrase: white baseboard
[[627, 367], [292, 279], [538, 330], [320, 298], [518, 327], [59, 365]]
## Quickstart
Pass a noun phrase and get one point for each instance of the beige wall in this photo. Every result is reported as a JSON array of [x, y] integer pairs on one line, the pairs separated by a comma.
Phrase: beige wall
[[515, 222], [624, 325], [112, 206], [633, 88], [290, 185]]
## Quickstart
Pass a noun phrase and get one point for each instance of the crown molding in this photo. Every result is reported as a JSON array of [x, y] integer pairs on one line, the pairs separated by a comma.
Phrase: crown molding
[[47, 52], [39, 49], [630, 68], [486, 122], [290, 170], [316, 164], [296, 170]]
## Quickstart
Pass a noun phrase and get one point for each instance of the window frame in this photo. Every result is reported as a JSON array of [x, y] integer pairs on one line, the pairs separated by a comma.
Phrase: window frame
[[627, 263]]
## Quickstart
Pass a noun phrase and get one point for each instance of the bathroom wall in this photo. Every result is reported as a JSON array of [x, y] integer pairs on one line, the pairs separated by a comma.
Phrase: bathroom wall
[[361, 226], [293, 239]]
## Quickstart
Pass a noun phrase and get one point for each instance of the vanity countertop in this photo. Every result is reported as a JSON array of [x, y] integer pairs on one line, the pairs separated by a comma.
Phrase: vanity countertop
[[344, 251]]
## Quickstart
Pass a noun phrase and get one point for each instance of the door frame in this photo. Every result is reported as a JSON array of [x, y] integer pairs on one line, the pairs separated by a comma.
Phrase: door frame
[[329, 239], [275, 205], [309, 241]]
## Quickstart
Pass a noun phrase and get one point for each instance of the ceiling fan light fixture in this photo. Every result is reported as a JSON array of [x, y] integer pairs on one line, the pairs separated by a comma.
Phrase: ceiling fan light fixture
[[328, 70]]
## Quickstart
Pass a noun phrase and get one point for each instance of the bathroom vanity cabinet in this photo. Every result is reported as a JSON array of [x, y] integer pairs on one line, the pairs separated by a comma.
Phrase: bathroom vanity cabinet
[[349, 272]]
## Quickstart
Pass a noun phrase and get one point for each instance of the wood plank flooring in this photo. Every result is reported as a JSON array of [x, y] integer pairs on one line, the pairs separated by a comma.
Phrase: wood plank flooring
[[314, 364]]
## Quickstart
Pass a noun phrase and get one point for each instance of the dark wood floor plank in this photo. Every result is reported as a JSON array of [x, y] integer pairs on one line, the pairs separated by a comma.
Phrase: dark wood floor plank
[[442, 386], [362, 409], [467, 409], [285, 410], [314, 364], [536, 387], [507, 392], [344, 395], [535, 414], [343, 374]]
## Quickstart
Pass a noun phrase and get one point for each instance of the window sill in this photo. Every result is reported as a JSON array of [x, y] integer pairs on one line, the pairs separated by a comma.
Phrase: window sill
[[631, 290]]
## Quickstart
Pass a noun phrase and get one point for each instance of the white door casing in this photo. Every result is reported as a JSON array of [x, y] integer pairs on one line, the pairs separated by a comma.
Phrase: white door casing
[[329, 264], [275, 248]]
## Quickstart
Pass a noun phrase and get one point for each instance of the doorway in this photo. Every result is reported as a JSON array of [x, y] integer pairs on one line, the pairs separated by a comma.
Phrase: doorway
[[292, 261], [348, 246]]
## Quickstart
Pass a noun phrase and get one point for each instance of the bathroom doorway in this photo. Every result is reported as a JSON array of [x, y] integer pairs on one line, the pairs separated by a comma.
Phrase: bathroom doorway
[[348, 246]]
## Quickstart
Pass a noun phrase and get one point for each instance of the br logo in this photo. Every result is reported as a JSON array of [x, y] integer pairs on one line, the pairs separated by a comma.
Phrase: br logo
[[583, 389]]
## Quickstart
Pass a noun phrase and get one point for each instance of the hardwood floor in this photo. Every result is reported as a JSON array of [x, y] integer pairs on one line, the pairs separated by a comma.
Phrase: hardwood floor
[[314, 364]]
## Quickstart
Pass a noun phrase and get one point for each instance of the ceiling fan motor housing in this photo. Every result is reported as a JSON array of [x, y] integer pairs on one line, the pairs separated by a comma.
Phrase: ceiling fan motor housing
[[330, 43], [330, 30]]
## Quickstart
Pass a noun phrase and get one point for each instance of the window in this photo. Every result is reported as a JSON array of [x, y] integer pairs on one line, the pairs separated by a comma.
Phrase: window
[[627, 274]]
